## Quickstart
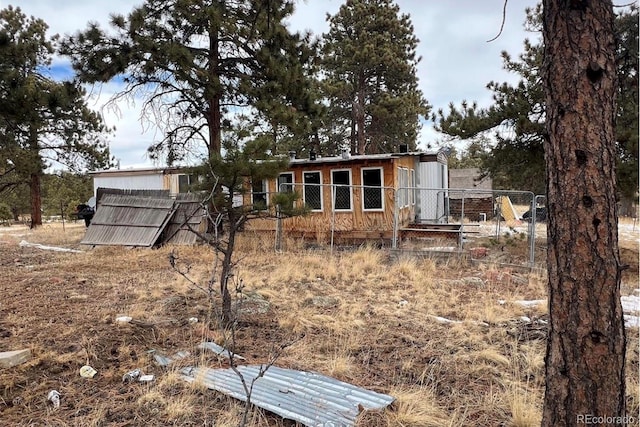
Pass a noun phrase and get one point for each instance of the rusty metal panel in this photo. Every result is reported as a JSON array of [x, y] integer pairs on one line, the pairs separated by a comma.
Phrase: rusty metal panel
[[309, 398], [129, 221]]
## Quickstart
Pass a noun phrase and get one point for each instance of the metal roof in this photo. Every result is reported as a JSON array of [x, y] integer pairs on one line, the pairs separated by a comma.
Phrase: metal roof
[[138, 171], [355, 158], [128, 221], [306, 397], [470, 182]]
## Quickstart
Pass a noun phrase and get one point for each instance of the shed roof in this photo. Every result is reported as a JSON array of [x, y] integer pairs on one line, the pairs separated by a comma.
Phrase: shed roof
[[138, 171], [469, 179], [102, 191], [355, 158], [129, 221]]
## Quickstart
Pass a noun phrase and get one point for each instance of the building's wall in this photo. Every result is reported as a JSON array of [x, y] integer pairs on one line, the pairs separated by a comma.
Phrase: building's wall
[[473, 208], [356, 222], [152, 181], [162, 179]]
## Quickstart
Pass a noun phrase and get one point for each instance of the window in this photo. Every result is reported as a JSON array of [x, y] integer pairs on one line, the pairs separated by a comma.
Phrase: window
[[372, 189], [313, 190], [185, 182], [285, 182], [412, 192], [403, 183], [285, 186], [259, 194], [341, 180]]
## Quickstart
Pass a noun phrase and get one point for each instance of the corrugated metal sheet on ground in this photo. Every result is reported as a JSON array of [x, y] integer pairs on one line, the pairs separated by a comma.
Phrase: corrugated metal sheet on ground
[[306, 397], [128, 221], [189, 215]]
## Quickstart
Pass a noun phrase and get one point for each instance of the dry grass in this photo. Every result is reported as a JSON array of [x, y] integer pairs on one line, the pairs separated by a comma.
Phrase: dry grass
[[366, 318]]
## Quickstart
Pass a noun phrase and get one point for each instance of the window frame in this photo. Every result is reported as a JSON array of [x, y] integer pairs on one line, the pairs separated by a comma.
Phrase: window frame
[[403, 184], [305, 187], [335, 192], [365, 187], [191, 180], [292, 183], [264, 192]]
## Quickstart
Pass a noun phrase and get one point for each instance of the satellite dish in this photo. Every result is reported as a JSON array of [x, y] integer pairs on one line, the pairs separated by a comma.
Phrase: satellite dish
[[92, 202]]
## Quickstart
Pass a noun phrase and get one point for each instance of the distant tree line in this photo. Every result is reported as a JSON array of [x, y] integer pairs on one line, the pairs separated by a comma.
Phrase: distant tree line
[[61, 192]]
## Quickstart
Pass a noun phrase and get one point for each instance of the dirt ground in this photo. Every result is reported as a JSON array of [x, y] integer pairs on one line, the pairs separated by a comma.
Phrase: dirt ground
[[359, 317]]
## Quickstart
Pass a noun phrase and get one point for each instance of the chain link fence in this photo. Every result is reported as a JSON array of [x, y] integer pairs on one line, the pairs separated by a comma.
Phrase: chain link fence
[[407, 218], [457, 219], [336, 214]]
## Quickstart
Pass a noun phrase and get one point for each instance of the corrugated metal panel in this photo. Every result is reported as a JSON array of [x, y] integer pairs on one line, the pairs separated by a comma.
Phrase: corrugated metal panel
[[432, 181], [128, 221], [306, 397]]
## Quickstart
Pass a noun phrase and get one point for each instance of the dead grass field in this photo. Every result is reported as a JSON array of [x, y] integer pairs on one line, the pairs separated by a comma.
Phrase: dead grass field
[[364, 318]]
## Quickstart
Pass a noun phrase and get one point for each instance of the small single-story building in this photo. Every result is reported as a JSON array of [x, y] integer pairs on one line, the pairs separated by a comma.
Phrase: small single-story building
[[471, 191], [356, 196], [173, 179]]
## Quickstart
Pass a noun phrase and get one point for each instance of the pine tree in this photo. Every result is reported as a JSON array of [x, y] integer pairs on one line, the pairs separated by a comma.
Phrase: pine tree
[[39, 117], [369, 65], [516, 120], [586, 345], [244, 159], [197, 63], [63, 191]]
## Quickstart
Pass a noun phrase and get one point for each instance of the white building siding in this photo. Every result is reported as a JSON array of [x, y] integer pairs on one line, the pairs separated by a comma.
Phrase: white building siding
[[136, 182], [432, 195]]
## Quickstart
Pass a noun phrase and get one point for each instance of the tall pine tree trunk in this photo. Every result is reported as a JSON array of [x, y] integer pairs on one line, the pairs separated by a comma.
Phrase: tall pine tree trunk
[[36, 200], [214, 115], [586, 346], [360, 118], [353, 136], [35, 177]]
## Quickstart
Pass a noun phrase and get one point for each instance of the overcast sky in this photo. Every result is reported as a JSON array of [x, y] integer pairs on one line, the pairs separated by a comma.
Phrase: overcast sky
[[457, 62]]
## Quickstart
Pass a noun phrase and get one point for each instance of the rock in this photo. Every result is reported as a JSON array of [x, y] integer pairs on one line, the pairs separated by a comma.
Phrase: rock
[[13, 358]]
